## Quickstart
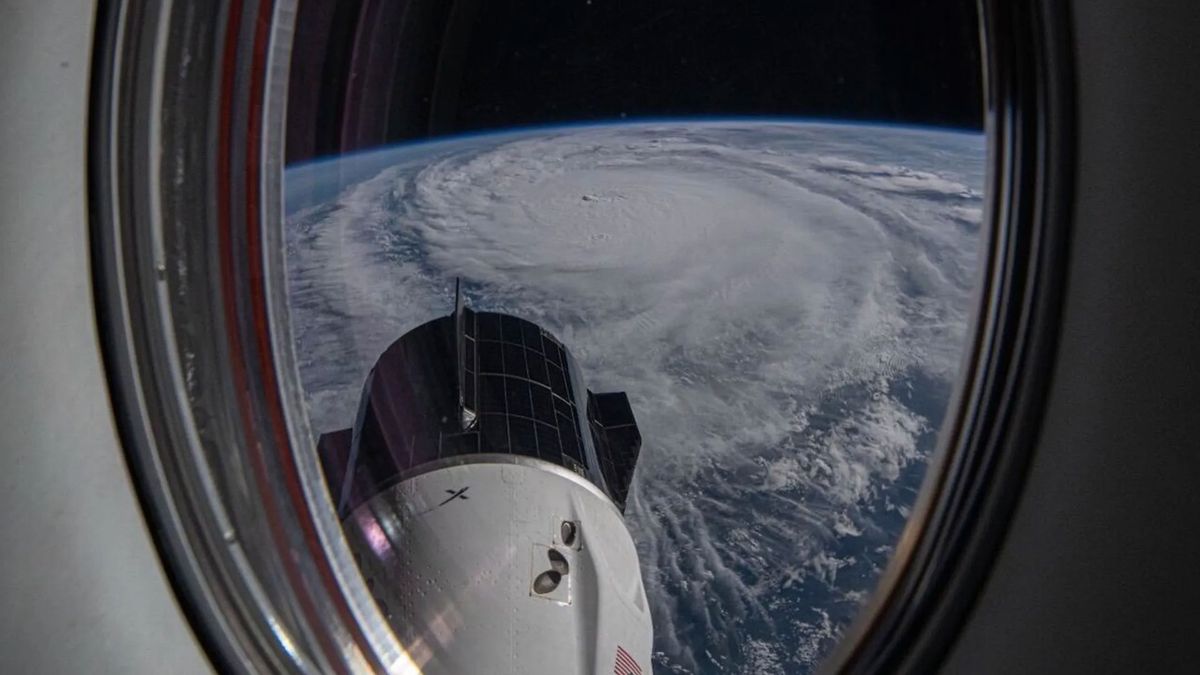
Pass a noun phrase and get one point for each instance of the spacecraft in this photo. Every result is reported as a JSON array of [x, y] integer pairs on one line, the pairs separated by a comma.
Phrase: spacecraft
[[482, 489]]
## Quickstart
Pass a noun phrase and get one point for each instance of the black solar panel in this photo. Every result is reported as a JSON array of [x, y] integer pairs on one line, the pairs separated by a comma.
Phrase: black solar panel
[[548, 446], [516, 394], [491, 358], [520, 401], [558, 381], [537, 368], [521, 374], [488, 326], [494, 429], [491, 390], [543, 403], [617, 439], [514, 360], [531, 335], [511, 329], [524, 439], [460, 444], [552, 350], [570, 442]]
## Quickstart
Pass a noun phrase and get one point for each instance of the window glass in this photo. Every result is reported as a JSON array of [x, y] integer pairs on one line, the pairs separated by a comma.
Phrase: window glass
[[759, 223]]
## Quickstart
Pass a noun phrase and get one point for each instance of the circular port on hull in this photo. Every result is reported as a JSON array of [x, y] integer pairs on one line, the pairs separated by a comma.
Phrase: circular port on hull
[[558, 562], [546, 582], [568, 532]]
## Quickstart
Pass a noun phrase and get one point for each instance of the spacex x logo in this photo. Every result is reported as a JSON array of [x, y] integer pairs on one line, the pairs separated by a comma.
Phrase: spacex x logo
[[461, 493], [625, 665], [455, 494]]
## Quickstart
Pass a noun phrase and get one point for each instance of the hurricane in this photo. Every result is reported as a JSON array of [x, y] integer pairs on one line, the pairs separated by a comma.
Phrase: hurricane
[[785, 302]]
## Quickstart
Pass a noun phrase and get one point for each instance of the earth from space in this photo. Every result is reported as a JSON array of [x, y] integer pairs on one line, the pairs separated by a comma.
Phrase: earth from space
[[785, 303]]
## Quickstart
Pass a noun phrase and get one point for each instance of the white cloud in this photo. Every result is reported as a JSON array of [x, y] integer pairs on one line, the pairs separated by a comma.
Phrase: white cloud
[[758, 290]]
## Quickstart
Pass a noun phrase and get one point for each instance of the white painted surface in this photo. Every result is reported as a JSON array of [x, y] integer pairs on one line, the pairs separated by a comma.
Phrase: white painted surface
[[81, 589], [456, 575]]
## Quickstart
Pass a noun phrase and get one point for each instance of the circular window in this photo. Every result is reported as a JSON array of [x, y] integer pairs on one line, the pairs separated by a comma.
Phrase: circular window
[[415, 293]]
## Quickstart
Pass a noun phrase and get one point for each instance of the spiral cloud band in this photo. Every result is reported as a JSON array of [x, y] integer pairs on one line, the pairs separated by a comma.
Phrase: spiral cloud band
[[784, 302]]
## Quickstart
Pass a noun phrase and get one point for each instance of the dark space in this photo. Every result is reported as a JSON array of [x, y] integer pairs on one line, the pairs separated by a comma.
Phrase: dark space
[[375, 72]]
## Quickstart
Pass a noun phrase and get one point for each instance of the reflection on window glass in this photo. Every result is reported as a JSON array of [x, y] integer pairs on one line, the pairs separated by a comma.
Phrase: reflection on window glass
[[783, 300]]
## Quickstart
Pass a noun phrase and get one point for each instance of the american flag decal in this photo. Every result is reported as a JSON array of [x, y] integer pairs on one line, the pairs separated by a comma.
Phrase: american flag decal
[[625, 665]]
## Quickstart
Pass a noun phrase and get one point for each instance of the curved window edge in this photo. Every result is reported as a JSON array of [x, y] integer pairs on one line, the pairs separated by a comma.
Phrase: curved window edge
[[183, 193], [165, 282], [958, 524]]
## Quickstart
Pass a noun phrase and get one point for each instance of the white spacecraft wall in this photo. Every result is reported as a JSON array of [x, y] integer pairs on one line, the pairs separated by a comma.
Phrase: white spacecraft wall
[[452, 556], [82, 587]]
